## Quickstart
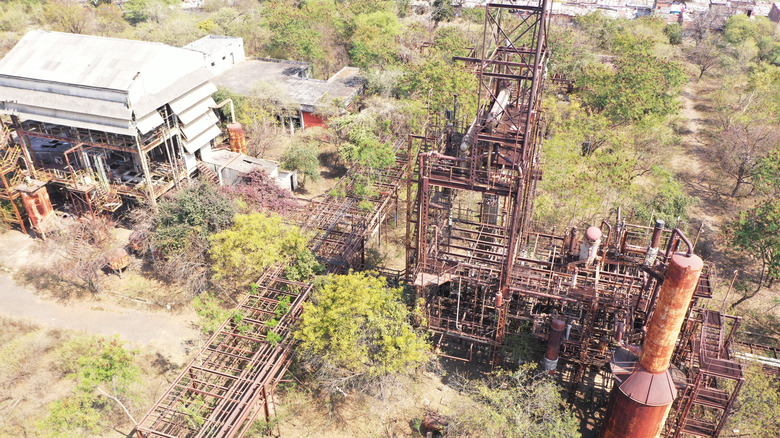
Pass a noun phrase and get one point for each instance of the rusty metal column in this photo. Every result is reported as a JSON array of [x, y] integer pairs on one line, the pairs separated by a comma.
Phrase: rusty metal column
[[642, 396], [550, 361], [680, 283]]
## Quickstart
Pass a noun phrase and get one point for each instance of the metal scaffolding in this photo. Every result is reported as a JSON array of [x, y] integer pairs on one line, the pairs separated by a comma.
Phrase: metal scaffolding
[[231, 380]]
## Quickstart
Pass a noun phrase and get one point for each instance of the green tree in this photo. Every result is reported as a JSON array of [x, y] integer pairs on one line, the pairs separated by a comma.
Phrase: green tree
[[758, 410], [303, 155], [435, 81], [176, 235], [192, 213], [292, 36], [766, 175], [757, 232], [254, 242], [747, 128], [516, 404], [442, 11], [138, 11], [374, 39], [359, 141], [740, 27], [210, 312], [454, 40], [356, 331], [639, 86], [103, 363], [674, 32], [68, 16]]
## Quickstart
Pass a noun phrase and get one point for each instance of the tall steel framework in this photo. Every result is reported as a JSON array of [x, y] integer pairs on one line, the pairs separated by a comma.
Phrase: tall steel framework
[[475, 189]]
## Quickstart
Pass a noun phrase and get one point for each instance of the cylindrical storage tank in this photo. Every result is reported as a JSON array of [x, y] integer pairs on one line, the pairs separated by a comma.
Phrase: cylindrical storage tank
[[550, 361], [237, 137], [641, 401], [590, 245], [629, 418], [680, 283]]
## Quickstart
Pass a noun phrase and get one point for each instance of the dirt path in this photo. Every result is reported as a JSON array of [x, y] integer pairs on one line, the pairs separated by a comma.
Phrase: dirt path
[[172, 334], [693, 163]]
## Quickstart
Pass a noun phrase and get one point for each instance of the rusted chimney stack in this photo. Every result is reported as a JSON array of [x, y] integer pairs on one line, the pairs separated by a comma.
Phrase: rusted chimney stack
[[644, 390]]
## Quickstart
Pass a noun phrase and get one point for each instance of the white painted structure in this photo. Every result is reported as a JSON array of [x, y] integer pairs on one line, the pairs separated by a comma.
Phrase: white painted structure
[[219, 53]]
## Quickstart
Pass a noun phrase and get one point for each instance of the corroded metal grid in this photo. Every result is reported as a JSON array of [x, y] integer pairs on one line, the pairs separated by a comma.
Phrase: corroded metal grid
[[232, 378]]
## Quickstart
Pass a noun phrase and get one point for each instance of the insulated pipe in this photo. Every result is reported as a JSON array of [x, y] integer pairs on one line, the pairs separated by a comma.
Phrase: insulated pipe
[[550, 361], [497, 110], [655, 240], [232, 108], [468, 138], [590, 245]]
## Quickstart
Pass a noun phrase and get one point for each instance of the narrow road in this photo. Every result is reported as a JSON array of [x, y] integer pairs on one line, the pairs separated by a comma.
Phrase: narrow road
[[160, 331]]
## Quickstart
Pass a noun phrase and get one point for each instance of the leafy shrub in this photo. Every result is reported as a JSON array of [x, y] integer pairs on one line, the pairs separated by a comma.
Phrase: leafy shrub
[[356, 332]]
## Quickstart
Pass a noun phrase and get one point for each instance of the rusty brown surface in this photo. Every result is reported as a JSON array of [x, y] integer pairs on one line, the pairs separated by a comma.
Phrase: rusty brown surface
[[627, 418], [557, 326], [237, 137], [675, 296]]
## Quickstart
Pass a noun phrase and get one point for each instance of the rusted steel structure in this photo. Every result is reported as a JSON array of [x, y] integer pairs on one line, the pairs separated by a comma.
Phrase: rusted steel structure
[[644, 388], [354, 212], [494, 160], [713, 375], [11, 160], [483, 272], [230, 382]]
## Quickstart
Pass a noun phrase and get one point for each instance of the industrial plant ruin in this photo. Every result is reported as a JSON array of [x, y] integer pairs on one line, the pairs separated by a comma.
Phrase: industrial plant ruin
[[616, 295], [615, 301]]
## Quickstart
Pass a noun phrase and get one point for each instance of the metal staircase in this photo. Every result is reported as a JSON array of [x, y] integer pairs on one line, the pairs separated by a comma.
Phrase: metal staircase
[[714, 380]]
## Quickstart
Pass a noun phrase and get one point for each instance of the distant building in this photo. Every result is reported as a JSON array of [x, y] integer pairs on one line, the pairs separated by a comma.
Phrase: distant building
[[101, 120], [290, 79], [220, 53], [774, 13], [670, 10]]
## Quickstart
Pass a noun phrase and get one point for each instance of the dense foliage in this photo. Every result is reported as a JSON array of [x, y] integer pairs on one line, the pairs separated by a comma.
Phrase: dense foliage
[[255, 241], [356, 331], [518, 404], [259, 192]]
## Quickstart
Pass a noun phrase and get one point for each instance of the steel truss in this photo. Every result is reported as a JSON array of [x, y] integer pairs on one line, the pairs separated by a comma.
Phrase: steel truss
[[231, 380]]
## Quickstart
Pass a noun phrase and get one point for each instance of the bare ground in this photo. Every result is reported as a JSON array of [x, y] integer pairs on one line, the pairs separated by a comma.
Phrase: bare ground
[[715, 207], [172, 333]]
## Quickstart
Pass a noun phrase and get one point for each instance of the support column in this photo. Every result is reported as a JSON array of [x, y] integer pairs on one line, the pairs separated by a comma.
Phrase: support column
[[147, 175], [550, 361]]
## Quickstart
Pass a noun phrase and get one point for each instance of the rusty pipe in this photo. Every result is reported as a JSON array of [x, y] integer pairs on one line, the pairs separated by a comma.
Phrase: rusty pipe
[[672, 247], [609, 231], [550, 361], [644, 389], [573, 241], [680, 282]]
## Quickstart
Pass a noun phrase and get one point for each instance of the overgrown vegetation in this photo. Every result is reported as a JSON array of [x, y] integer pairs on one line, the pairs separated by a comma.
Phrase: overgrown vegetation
[[610, 139], [94, 362], [356, 333], [522, 403], [255, 242]]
